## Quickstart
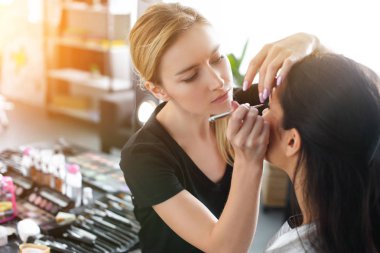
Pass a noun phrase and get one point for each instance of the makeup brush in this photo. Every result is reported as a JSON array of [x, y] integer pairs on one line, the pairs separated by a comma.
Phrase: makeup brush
[[225, 114]]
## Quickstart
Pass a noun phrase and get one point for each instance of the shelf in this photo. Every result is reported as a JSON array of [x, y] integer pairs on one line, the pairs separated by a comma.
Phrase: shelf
[[115, 8], [87, 115], [99, 47], [85, 78], [89, 55]]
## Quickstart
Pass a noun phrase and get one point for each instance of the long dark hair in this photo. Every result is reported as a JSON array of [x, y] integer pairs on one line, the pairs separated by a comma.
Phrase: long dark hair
[[334, 103]]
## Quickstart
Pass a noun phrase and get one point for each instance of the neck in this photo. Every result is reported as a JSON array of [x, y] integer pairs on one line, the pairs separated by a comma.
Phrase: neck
[[183, 124], [299, 189]]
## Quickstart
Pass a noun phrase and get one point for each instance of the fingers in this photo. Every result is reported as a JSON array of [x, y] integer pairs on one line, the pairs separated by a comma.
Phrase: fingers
[[248, 126], [272, 53], [234, 105], [277, 62], [286, 66], [277, 58], [247, 132], [236, 120], [259, 138], [254, 66], [271, 71], [267, 62], [268, 72]]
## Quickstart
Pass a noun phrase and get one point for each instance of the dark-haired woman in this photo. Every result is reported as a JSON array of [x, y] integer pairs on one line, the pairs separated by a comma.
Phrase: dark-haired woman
[[324, 132]]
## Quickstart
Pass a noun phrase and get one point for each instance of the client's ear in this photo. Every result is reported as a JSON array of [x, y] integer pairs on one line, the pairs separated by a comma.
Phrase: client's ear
[[293, 139], [158, 91]]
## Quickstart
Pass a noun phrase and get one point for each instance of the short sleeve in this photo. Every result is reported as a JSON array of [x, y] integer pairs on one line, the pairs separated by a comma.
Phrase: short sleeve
[[149, 171]]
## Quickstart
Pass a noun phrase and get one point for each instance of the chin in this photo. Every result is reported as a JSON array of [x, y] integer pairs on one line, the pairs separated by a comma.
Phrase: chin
[[222, 108]]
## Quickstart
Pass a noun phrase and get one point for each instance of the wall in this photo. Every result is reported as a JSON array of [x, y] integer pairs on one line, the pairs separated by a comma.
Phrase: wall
[[21, 50], [349, 27]]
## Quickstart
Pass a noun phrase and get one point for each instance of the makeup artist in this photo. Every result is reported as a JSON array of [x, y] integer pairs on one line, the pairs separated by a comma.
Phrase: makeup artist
[[196, 184]]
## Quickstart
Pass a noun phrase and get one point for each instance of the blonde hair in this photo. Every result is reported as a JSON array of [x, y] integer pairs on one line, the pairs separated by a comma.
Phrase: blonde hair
[[154, 32]]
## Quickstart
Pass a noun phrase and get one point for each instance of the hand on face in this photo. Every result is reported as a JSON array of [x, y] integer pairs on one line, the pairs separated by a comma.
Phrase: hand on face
[[276, 59], [248, 133]]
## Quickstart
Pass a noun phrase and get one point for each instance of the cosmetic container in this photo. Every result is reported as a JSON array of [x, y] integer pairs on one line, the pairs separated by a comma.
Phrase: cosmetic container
[[3, 236], [74, 184], [87, 196]]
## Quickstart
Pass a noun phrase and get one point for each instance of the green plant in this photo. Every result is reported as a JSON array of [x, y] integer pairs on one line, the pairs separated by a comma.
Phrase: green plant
[[235, 65]]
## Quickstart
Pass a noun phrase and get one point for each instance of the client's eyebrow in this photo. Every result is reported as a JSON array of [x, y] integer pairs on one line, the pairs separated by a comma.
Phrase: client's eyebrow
[[195, 65]]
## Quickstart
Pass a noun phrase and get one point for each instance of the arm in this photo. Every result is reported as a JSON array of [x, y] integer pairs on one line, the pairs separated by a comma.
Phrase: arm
[[277, 58], [233, 232]]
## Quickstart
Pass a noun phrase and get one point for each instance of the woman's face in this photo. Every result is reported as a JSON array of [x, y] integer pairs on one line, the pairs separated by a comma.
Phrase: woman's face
[[277, 143], [195, 74]]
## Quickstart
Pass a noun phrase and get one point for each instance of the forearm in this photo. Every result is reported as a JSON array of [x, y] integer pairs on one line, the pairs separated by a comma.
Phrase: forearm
[[237, 224], [234, 230]]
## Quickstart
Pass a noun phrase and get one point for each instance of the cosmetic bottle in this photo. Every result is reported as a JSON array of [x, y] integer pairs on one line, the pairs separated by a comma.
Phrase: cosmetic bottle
[[38, 172], [87, 196], [59, 172], [74, 184], [45, 159], [26, 161], [45, 179], [35, 157]]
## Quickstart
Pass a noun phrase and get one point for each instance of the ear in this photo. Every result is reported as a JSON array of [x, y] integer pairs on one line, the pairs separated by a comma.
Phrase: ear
[[293, 145], [158, 91]]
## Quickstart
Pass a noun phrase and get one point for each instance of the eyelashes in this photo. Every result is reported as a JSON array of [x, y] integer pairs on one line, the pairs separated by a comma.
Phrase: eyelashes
[[218, 60], [193, 77]]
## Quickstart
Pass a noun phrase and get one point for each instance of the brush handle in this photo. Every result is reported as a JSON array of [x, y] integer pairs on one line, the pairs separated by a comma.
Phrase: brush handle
[[225, 114]]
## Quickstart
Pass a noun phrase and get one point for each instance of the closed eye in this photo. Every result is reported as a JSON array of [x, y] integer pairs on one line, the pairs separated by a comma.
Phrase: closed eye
[[192, 78]]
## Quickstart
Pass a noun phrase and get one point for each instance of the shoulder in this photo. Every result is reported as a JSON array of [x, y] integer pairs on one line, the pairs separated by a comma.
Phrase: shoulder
[[290, 240], [145, 148], [150, 169]]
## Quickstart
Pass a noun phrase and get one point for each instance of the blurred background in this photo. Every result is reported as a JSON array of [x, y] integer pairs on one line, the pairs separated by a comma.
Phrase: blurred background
[[65, 72], [346, 27]]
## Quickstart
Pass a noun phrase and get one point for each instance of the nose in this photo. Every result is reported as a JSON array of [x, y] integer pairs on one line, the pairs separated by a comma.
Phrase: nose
[[215, 79]]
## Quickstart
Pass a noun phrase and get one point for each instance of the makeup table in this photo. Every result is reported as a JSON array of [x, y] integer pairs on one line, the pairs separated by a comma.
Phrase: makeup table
[[105, 225]]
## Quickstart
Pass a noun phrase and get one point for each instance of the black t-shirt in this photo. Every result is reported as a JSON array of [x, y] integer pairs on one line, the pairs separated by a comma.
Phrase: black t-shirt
[[156, 168]]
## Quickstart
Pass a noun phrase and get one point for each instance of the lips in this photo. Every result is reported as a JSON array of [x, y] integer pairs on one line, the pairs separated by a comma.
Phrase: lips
[[221, 98]]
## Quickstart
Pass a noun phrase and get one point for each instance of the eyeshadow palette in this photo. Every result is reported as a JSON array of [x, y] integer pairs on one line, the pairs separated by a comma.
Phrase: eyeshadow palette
[[8, 208], [93, 163], [12, 160], [101, 171], [23, 185], [42, 204]]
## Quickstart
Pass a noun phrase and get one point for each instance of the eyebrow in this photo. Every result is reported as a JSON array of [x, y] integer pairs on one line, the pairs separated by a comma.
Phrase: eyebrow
[[195, 65]]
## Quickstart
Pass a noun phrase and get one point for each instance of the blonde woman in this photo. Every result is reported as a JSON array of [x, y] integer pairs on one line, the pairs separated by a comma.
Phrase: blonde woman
[[195, 184]]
